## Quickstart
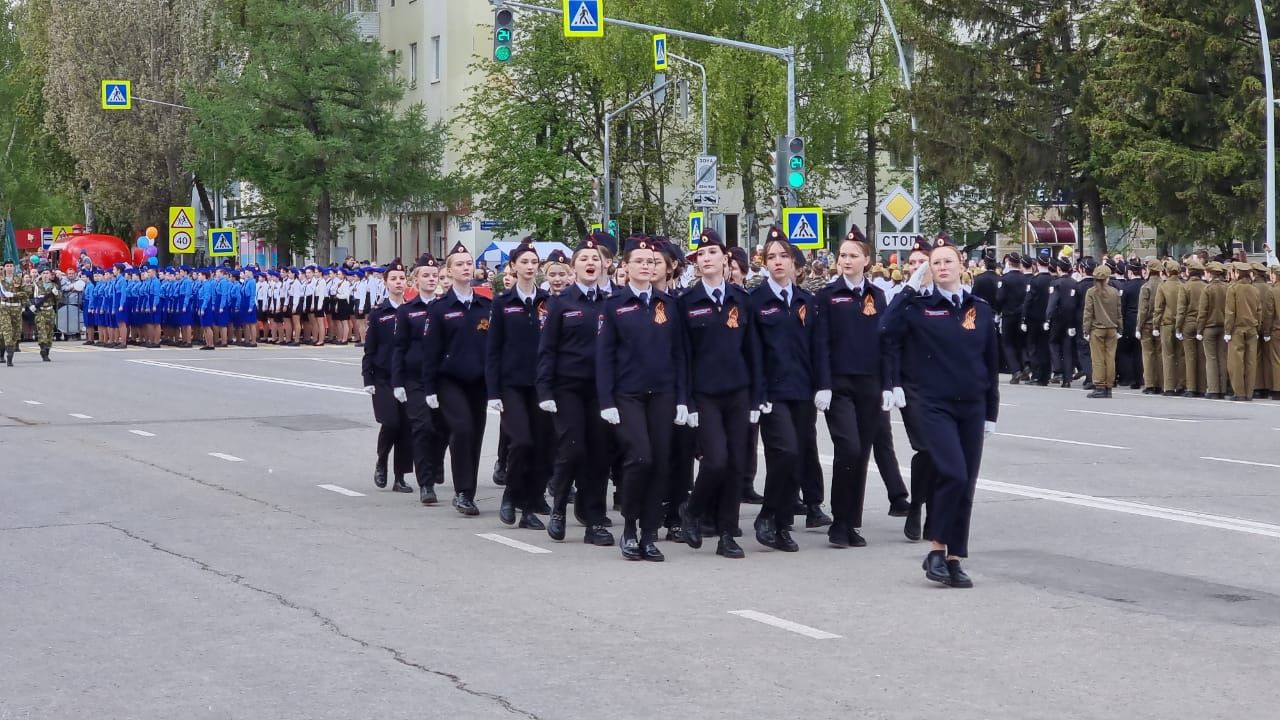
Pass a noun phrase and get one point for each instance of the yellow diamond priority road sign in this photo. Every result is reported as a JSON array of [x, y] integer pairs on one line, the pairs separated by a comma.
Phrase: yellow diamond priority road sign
[[898, 207]]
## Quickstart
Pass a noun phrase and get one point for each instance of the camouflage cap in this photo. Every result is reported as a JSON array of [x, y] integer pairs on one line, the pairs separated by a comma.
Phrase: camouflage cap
[[1215, 267], [1171, 266], [1155, 265], [1258, 267], [1194, 264], [1102, 272], [1241, 267]]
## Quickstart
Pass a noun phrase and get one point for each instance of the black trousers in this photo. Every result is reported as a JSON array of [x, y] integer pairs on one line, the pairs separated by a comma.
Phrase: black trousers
[[684, 446], [786, 433], [462, 405], [753, 459], [1084, 360], [1038, 351], [887, 460], [1012, 340], [582, 445], [923, 474], [529, 432], [1063, 350], [953, 434], [394, 431], [853, 421], [425, 432], [645, 437], [1129, 359], [724, 436]]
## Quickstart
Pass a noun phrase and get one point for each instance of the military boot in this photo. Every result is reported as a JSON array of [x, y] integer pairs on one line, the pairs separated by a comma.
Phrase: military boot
[[9, 356], [44, 353]]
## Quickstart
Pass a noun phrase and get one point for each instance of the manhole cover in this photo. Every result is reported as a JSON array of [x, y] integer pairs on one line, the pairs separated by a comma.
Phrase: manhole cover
[[312, 423]]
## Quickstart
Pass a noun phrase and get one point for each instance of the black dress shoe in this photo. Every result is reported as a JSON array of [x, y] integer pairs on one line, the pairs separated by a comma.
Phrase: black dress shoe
[[599, 536], [1230, 397], [692, 527], [751, 497], [464, 505], [799, 508], [815, 518], [959, 579], [784, 541], [1136, 386], [1088, 385], [675, 533], [606, 521], [427, 495], [649, 548], [1015, 378], [1099, 393], [380, 478], [912, 526], [1066, 384], [555, 527], [727, 547], [838, 535], [500, 474], [631, 549], [899, 508], [400, 486], [530, 521], [766, 533], [856, 539], [540, 505], [1170, 393], [935, 567], [507, 510], [1213, 396]]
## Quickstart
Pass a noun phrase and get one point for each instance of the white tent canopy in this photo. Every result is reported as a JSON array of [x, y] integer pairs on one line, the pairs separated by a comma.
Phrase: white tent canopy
[[497, 253]]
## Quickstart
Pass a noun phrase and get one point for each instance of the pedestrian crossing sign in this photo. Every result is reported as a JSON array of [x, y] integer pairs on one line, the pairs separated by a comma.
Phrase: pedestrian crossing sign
[[117, 95], [583, 18], [660, 52], [62, 233], [596, 227], [222, 242], [696, 220], [804, 227], [182, 218]]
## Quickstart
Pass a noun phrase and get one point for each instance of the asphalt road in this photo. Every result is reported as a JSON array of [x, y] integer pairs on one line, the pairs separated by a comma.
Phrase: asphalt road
[[196, 535]]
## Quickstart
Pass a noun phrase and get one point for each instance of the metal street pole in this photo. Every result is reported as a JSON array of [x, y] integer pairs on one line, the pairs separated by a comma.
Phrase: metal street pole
[[906, 81], [1271, 126], [703, 70], [608, 118]]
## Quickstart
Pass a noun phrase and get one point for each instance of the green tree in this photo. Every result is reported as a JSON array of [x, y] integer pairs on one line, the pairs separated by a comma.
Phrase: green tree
[[307, 114]]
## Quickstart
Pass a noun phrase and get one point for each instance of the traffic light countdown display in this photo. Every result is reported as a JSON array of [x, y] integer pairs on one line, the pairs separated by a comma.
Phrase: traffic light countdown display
[[504, 26]]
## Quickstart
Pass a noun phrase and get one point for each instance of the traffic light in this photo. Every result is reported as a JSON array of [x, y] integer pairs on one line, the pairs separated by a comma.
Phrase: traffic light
[[795, 167], [504, 28]]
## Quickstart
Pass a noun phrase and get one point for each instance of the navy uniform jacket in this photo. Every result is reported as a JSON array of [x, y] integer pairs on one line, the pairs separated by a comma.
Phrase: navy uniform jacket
[[786, 335], [1010, 296], [379, 345], [723, 344], [1063, 301], [987, 287], [1036, 303], [942, 354], [411, 328], [511, 353], [640, 350], [847, 336], [1129, 293], [453, 342], [567, 348]]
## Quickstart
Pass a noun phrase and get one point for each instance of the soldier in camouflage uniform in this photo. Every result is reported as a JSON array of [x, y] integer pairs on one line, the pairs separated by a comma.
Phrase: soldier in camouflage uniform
[[13, 293], [45, 297]]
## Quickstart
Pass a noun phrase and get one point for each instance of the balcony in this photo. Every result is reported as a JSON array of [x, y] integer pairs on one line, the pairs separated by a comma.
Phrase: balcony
[[365, 19]]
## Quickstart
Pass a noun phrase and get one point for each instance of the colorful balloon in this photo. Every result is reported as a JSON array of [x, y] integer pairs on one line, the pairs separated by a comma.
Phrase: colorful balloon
[[144, 242], [153, 260], [152, 232]]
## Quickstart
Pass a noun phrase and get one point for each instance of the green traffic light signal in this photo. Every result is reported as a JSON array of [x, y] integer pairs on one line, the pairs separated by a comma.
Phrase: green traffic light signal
[[795, 179], [502, 54]]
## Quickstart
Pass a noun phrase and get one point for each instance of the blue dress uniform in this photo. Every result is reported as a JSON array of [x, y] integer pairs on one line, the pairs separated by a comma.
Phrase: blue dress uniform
[[394, 428], [942, 350], [511, 359], [87, 300], [726, 386], [641, 373], [787, 318], [566, 375], [847, 363], [429, 441], [453, 371]]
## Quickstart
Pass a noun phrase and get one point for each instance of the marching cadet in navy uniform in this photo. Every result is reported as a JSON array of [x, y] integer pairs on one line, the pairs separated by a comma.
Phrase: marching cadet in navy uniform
[[726, 387], [1010, 295], [847, 364], [785, 315], [406, 378], [1061, 316], [1034, 307], [511, 358], [395, 430], [566, 388], [941, 349], [640, 380], [453, 372]]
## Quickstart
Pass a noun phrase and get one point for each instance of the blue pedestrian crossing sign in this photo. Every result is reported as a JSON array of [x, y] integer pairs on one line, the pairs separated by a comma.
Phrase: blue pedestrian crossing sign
[[583, 18], [696, 220], [804, 227], [660, 52], [117, 95], [222, 242]]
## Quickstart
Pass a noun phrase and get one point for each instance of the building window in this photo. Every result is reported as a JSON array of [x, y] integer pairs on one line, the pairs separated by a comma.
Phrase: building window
[[413, 64], [435, 58], [394, 61], [373, 242]]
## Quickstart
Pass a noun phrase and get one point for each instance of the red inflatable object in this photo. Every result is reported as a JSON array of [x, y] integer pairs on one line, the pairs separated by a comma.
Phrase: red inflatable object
[[103, 250]]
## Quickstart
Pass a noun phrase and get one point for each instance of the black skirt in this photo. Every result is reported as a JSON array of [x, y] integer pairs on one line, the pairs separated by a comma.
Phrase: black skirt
[[386, 409]]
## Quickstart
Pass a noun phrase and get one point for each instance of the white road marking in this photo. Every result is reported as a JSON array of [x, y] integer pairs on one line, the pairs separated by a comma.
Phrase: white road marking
[[82, 416], [336, 362], [224, 456], [1139, 417], [33, 402], [142, 433], [258, 378], [778, 622], [1064, 442], [341, 490], [504, 540], [1241, 462]]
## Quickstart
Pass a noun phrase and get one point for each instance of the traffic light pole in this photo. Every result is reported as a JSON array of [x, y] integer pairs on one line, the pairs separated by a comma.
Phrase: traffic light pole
[[1271, 128], [906, 81], [703, 70], [608, 118]]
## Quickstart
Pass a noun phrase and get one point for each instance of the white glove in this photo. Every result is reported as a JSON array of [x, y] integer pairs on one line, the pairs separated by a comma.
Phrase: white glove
[[548, 405], [32, 308], [1177, 335], [682, 414], [917, 277], [754, 417], [1137, 335], [370, 389], [692, 420], [1086, 338], [496, 406], [988, 428], [400, 395], [899, 398], [766, 408], [822, 400], [1023, 326], [886, 400], [1155, 333], [433, 402], [1071, 332], [1046, 327], [1199, 336], [1226, 338], [610, 415], [1266, 338]]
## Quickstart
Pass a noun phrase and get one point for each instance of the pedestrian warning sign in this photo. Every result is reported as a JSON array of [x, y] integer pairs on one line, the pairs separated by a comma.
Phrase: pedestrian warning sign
[[181, 218], [804, 227], [583, 18], [117, 95], [222, 242]]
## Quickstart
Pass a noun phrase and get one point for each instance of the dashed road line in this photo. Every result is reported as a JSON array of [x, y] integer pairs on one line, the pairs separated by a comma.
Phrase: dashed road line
[[504, 540], [33, 402], [787, 625], [224, 456], [81, 416], [1062, 441], [341, 490], [256, 378], [142, 433], [1138, 417], [1241, 462]]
